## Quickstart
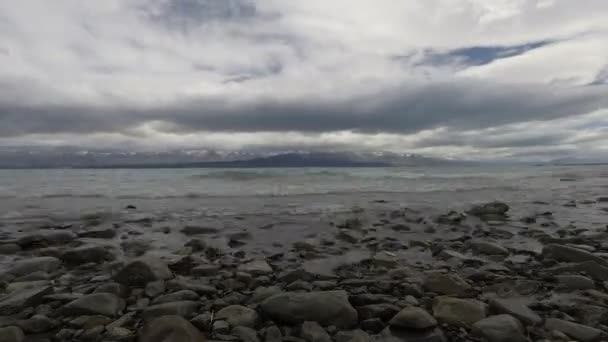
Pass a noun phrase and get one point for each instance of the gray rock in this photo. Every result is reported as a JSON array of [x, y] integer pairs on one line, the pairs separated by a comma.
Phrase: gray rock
[[203, 321], [142, 271], [114, 288], [575, 282], [461, 312], [413, 318], [571, 254], [11, 334], [188, 284], [246, 334], [237, 315], [44, 239], [501, 328], [579, 332], [313, 332], [489, 209], [36, 324], [184, 309], [326, 308], [86, 254], [108, 233], [91, 335], [273, 334], [590, 268], [183, 295], [261, 293], [27, 266], [256, 268], [447, 284], [205, 270], [487, 247], [383, 311], [170, 329], [352, 336], [9, 248], [517, 308], [104, 304], [404, 335], [155, 288], [25, 295], [196, 230], [220, 327]]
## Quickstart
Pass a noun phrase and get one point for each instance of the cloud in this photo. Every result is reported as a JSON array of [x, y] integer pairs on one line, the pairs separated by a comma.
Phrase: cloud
[[326, 74]]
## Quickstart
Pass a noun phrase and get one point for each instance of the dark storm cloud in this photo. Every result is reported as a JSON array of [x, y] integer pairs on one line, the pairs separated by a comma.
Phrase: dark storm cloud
[[458, 106]]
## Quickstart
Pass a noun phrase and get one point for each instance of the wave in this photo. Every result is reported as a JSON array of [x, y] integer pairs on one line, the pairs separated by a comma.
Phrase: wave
[[69, 195], [249, 175]]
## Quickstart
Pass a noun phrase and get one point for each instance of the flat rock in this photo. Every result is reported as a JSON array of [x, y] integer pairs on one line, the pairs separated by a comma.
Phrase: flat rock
[[11, 334], [183, 309], [104, 304], [460, 312], [413, 318], [500, 328], [237, 315], [487, 247], [9, 248], [196, 230], [170, 329], [404, 335], [142, 271], [326, 308], [86, 254], [114, 288], [108, 233], [24, 295], [44, 239], [313, 332], [357, 335], [192, 285], [182, 295], [256, 267], [517, 308], [261, 293], [384, 311], [246, 334], [579, 332], [446, 284], [575, 282], [36, 324], [155, 288], [489, 209], [27, 266], [571, 254]]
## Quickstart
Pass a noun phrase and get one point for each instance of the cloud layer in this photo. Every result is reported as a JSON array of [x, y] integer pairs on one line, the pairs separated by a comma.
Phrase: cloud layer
[[517, 78]]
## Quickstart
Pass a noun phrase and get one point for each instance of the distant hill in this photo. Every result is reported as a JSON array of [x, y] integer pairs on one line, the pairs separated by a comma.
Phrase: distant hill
[[69, 157]]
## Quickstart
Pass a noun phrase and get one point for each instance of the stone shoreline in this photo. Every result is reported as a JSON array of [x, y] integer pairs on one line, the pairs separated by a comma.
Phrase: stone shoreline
[[396, 275]]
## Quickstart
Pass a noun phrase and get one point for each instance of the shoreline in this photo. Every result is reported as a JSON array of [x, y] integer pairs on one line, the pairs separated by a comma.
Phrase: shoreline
[[380, 272]]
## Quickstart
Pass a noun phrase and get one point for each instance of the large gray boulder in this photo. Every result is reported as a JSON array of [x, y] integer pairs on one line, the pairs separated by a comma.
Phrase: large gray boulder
[[237, 315], [515, 307], [24, 295], [326, 308], [571, 254], [579, 332], [501, 328], [104, 304], [413, 318], [28, 266], [11, 334], [87, 254], [170, 329], [446, 284], [460, 312], [142, 271]]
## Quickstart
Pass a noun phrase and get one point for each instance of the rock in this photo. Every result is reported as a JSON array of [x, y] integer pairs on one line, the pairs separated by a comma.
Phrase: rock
[[142, 271], [183, 295], [237, 315], [170, 329], [403, 335], [413, 318], [36, 324], [104, 304], [261, 293], [86, 254], [326, 308], [44, 239], [570, 254], [348, 236], [575, 282], [352, 336], [579, 332], [602, 199], [383, 311], [188, 284], [108, 233], [517, 308], [11, 334], [119, 334], [460, 312], [9, 248], [487, 247], [489, 209], [196, 230], [27, 266], [590, 268], [25, 295], [205, 270], [246, 334], [273, 334], [313, 332], [501, 328], [90, 322], [373, 325], [155, 288], [447, 284], [114, 288], [184, 309], [256, 268]]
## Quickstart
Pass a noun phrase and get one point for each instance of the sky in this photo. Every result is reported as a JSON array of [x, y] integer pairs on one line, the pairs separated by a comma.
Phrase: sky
[[474, 79]]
